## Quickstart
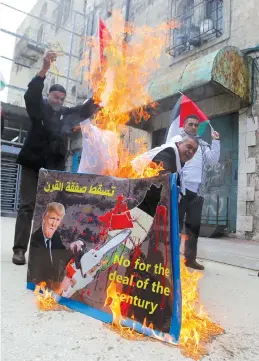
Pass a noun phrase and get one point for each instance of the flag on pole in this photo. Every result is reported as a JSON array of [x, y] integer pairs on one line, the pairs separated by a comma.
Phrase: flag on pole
[[2, 82], [104, 40], [183, 108]]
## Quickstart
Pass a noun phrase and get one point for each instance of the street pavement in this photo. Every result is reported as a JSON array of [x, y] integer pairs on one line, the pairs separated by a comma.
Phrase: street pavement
[[235, 252], [230, 295]]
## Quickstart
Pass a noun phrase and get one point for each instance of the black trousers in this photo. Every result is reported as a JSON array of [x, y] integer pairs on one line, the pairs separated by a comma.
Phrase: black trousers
[[28, 190], [190, 210]]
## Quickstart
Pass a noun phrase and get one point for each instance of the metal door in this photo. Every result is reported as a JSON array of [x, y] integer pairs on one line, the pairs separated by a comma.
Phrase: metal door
[[220, 201], [10, 181]]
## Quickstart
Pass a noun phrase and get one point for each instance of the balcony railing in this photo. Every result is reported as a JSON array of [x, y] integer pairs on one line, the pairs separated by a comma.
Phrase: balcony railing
[[31, 46], [197, 22]]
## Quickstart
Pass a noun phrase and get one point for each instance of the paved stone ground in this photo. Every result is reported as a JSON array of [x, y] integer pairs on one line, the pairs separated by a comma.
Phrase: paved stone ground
[[230, 294], [235, 252]]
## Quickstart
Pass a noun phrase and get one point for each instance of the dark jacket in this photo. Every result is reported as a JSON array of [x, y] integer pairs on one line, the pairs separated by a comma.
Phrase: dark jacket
[[46, 144], [150, 202], [40, 267]]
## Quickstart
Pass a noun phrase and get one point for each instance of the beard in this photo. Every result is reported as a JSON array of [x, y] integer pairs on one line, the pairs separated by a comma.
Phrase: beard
[[56, 107]]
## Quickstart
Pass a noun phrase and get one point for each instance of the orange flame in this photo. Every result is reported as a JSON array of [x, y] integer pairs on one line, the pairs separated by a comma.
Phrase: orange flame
[[197, 328], [121, 85], [125, 169], [113, 300], [46, 300]]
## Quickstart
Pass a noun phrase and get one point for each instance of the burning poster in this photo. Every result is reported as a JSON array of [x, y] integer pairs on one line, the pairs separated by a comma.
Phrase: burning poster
[[109, 247]]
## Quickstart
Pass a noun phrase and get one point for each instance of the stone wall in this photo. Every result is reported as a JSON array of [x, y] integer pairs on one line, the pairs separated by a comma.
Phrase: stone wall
[[240, 30], [248, 176]]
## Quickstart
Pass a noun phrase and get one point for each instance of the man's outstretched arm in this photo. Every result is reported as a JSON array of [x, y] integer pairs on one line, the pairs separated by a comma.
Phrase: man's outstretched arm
[[33, 95], [212, 154]]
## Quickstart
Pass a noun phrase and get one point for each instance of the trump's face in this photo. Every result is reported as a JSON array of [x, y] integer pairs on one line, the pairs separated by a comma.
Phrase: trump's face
[[51, 222]]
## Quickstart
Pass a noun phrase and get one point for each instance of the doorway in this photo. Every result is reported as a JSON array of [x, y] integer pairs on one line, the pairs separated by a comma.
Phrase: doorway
[[220, 200]]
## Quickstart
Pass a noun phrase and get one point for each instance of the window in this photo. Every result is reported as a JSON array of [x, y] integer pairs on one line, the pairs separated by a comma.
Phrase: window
[[43, 10], [158, 137], [40, 34], [54, 16], [198, 21], [57, 17], [214, 12], [82, 47], [73, 90], [66, 11]]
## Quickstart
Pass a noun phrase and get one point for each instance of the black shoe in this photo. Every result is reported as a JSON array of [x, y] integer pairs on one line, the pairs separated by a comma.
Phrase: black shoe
[[194, 265], [18, 257]]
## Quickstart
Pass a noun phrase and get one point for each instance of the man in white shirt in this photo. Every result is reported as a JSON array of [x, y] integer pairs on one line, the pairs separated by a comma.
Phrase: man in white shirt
[[194, 177]]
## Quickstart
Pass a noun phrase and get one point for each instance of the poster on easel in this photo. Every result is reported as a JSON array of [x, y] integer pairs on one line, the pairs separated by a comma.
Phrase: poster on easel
[[97, 240]]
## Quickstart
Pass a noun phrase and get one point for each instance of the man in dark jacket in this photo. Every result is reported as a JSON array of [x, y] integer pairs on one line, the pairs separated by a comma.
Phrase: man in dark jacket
[[45, 146], [169, 156], [184, 151]]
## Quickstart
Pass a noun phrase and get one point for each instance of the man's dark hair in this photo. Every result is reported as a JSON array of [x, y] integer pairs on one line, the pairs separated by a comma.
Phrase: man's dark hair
[[192, 116], [57, 87]]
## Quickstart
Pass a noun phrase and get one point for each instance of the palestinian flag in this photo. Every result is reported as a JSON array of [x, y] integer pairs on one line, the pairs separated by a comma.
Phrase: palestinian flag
[[105, 39], [2, 82], [183, 108]]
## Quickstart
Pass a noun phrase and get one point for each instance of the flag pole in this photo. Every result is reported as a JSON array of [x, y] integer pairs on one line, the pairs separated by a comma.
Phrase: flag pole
[[211, 127]]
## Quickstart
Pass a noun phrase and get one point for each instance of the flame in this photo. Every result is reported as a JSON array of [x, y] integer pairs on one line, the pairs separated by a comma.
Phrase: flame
[[125, 169], [46, 300], [121, 85], [113, 300], [197, 328]]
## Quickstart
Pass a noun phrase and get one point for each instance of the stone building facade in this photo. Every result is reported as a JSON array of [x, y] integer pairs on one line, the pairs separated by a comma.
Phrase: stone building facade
[[211, 56]]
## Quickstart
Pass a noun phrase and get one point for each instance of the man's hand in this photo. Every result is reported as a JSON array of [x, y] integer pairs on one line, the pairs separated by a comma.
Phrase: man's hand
[[215, 135], [49, 58], [77, 128], [77, 245]]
